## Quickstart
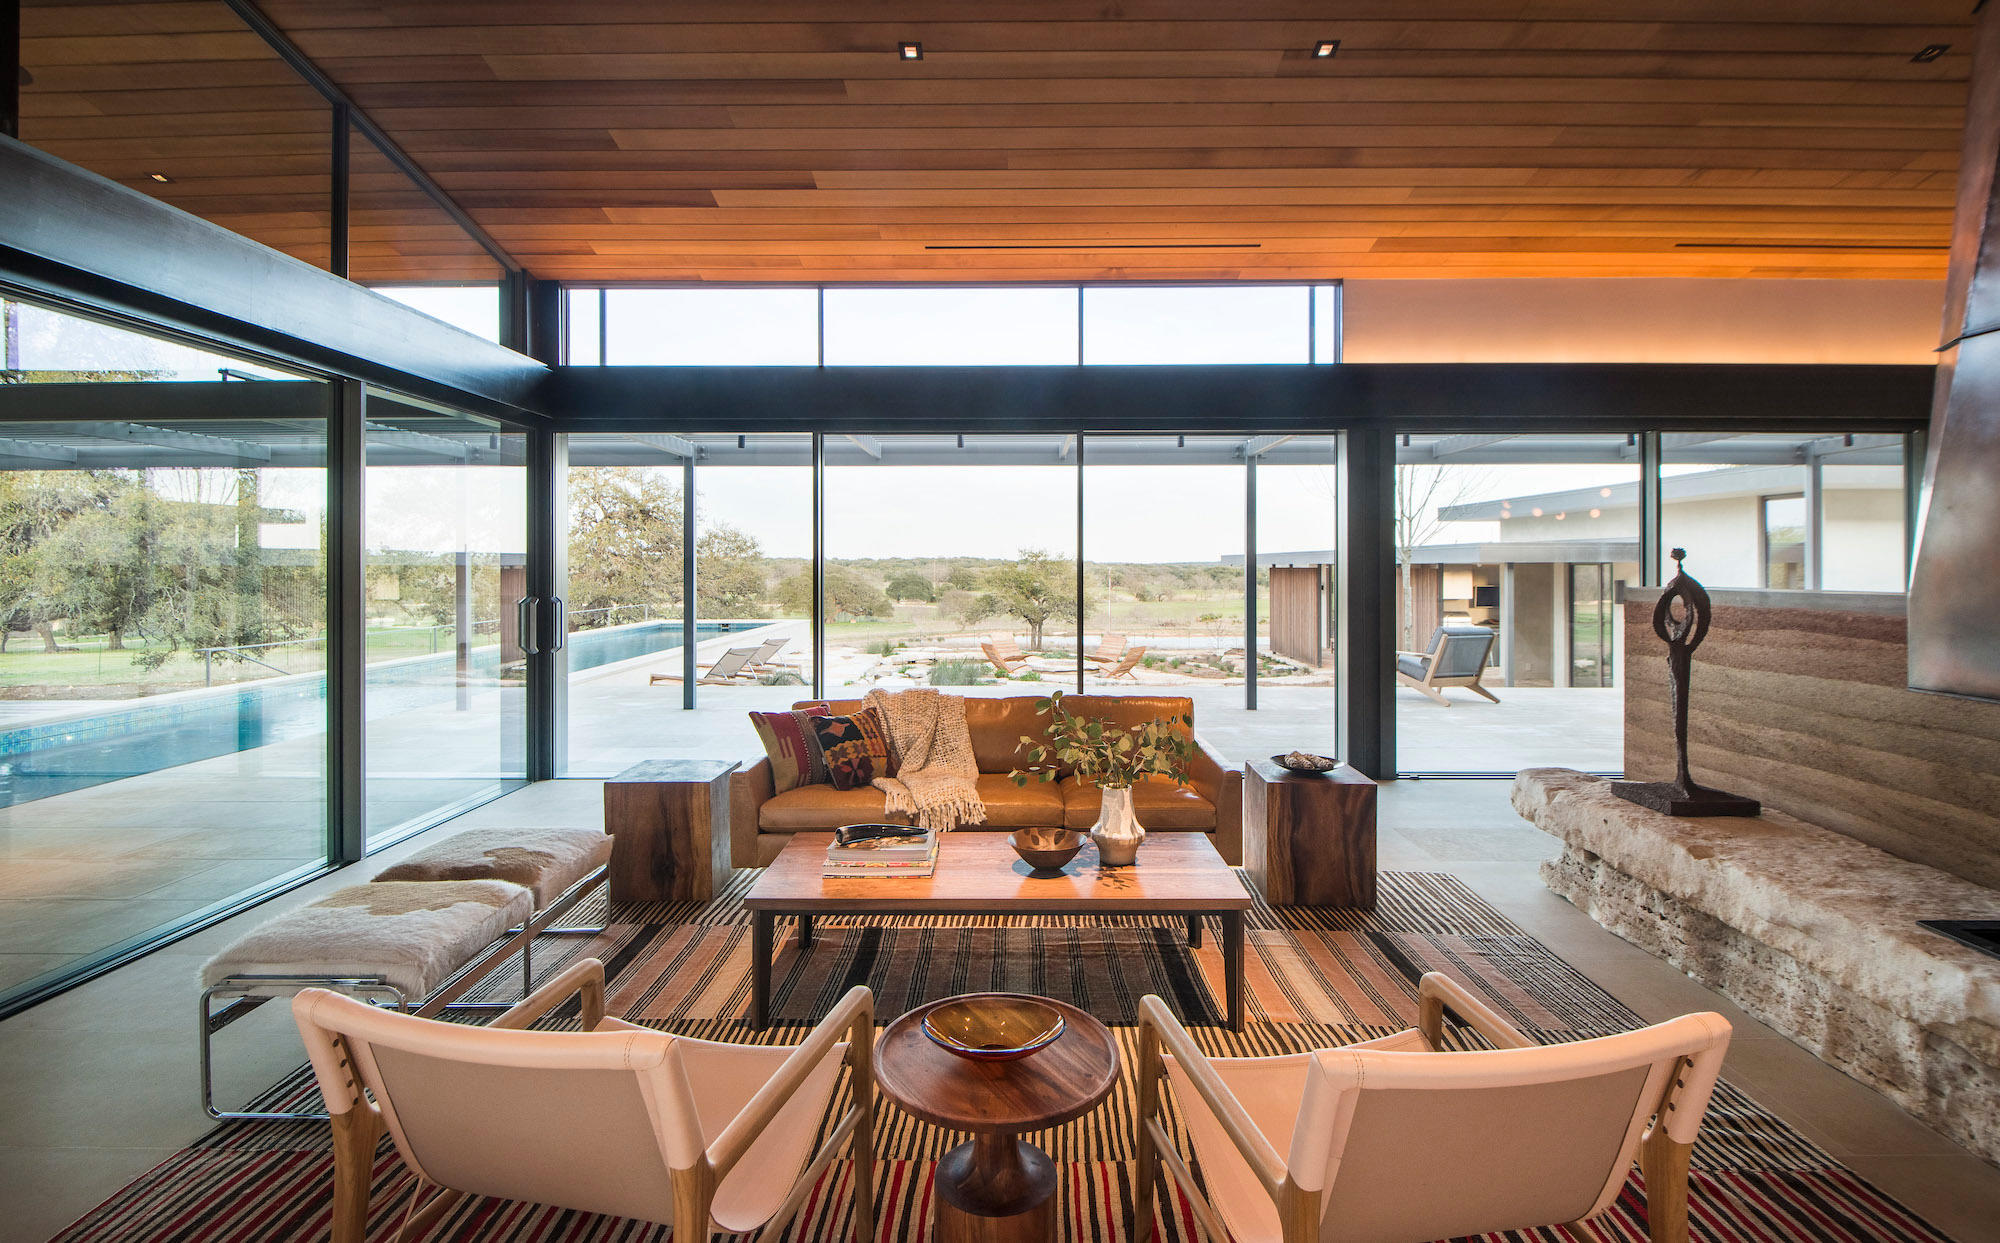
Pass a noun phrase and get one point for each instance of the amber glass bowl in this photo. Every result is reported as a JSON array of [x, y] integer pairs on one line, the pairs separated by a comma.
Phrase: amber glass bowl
[[1046, 850], [993, 1027]]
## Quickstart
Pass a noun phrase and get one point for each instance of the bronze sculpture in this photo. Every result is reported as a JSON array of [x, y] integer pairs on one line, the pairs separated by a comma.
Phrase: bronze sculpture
[[1682, 633]]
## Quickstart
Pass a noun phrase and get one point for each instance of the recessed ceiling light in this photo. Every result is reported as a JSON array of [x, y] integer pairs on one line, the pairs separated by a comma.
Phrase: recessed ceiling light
[[1930, 53], [909, 49], [162, 178], [1325, 48]]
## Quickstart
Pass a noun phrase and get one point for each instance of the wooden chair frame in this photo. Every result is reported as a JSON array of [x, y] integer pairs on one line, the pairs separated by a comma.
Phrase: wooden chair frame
[[358, 1126], [1663, 1160]]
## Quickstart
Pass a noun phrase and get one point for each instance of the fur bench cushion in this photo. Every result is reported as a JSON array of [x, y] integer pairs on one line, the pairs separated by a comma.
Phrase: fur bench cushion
[[412, 934], [546, 860]]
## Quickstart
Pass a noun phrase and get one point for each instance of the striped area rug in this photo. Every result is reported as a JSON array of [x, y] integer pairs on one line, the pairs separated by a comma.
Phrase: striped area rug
[[1315, 977]]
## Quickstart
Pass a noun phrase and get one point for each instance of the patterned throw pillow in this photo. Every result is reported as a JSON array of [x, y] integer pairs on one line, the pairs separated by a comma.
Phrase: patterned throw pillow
[[854, 749], [796, 756]]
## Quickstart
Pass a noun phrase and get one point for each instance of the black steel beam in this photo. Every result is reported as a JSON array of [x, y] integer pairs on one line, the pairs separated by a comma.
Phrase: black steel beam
[[72, 236], [1365, 635], [341, 154], [346, 624], [10, 71], [1442, 397], [363, 124], [1650, 554], [548, 579]]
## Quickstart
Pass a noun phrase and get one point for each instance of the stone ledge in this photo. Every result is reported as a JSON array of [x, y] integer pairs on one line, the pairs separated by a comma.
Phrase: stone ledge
[[1842, 908]]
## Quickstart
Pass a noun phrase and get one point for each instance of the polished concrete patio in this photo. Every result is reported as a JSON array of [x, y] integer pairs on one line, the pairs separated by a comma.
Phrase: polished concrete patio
[[85, 870]]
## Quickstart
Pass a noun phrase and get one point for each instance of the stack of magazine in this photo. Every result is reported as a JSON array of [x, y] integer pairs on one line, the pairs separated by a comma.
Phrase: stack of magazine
[[914, 856]]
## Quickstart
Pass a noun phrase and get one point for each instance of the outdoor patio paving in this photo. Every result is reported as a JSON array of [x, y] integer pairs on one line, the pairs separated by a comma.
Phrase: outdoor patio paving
[[84, 870]]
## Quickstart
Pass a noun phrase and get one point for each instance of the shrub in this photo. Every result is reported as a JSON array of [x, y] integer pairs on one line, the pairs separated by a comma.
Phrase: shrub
[[959, 673], [1032, 675], [781, 677], [884, 647]]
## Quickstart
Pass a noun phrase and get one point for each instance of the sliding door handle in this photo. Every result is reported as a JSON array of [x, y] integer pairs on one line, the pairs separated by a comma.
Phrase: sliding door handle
[[527, 624]]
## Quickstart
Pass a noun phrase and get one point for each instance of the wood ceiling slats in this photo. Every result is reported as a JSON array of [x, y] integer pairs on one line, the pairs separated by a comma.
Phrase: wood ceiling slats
[[628, 140]]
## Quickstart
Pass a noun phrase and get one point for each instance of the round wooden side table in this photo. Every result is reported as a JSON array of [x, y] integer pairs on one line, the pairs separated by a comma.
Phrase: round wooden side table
[[997, 1187]]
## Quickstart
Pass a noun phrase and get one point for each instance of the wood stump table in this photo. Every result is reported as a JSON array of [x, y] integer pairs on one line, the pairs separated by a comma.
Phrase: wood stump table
[[996, 1187], [669, 826], [1309, 838]]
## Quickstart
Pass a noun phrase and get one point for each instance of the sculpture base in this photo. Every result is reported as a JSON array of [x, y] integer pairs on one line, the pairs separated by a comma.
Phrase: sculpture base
[[1690, 800]]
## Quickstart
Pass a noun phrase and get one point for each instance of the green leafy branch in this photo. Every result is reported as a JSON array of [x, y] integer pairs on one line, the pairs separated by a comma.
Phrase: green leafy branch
[[1104, 754]]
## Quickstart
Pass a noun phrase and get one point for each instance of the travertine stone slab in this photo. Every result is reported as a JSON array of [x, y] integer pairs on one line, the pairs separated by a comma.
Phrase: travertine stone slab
[[1811, 931]]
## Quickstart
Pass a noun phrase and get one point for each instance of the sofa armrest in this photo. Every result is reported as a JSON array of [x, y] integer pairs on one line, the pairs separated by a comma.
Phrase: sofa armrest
[[750, 787], [1214, 779]]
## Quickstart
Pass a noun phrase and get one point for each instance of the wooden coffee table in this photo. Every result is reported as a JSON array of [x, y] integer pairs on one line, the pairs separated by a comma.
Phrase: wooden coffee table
[[1179, 875], [997, 1187]]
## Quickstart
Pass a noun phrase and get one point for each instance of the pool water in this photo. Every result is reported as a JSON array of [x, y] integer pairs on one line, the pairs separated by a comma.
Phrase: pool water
[[57, 757]]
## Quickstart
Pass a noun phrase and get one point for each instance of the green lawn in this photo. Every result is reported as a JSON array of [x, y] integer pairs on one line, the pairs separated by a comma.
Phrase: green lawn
[[86, 662]]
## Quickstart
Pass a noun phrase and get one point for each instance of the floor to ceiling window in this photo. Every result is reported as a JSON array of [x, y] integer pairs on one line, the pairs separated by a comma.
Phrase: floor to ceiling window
[[445, 533], [162, 636], [752, 636], [937, 544], [1518, 544], [1296, 486], [1786, 511]]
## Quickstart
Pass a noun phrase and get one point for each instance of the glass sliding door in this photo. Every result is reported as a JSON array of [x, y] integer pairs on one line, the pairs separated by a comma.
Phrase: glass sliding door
[[162, 638], [1518, 544], [445, 533], [753, 555], [937, 543], [1297, 520], [1785, 511]]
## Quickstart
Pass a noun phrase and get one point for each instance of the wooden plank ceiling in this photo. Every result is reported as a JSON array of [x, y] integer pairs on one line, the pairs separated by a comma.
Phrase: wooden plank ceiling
[[731, 140]]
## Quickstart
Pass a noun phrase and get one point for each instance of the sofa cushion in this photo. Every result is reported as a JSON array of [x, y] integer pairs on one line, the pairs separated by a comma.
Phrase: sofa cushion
[[1156, 801], [796, 756], [854, 748], [1008, 806], [821, 807]]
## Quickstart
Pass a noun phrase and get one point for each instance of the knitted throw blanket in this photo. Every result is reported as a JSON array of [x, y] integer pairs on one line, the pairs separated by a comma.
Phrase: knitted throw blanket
[[935, 772]]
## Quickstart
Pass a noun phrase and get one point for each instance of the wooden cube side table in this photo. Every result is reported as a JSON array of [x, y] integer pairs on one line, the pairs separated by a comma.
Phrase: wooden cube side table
[[669, 826], [1309, 838]]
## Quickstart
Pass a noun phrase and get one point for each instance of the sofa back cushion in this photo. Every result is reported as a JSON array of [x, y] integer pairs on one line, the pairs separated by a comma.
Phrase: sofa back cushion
[[997, 724]]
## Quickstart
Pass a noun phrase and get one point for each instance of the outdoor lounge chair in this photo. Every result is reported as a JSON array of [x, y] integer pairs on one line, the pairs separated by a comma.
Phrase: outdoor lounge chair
[[731, 670], [1126, 663], [1109, 649], [1457, 658], [765, 658], [1395, 1139], [614, 1119]]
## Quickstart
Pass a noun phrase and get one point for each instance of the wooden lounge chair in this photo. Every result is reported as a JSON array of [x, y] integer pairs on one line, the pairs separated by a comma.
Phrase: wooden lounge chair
[[1109, 649], [1457, 658], [615, 1118], [1394, 1139], [1005, 654], [731, 670], [1126, 663]]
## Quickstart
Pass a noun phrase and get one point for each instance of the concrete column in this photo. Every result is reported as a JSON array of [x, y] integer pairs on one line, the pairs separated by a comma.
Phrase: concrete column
[[1559, 656]]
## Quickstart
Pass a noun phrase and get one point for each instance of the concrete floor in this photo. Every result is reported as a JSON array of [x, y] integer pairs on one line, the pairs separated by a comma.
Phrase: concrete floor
[[99, 1084], [83, 871]]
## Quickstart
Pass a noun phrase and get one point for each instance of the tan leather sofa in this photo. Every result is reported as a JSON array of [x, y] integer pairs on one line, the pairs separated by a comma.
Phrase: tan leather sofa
[[760, 819]]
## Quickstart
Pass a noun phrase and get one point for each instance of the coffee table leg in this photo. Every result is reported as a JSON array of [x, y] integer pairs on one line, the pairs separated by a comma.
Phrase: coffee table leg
[[1194, 932], [805, 932], [1232, 966], [761, 924]]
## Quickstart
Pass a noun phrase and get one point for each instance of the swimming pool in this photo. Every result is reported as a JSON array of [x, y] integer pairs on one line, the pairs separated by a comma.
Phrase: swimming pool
[[75, 753]]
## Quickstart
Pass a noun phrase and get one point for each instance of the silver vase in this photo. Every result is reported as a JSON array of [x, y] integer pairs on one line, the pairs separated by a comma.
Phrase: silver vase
[[1117, 832]]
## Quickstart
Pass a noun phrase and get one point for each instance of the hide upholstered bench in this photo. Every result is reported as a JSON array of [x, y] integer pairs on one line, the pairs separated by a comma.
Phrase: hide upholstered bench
[[421, 935]]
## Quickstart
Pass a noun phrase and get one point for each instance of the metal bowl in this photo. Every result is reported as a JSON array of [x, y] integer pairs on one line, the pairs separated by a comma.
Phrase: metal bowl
[[1046, 850], [993, 1027]]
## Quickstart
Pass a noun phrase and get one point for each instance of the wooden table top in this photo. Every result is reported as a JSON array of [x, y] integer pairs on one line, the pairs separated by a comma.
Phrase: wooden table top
[[979, 871], [1064, 1080]]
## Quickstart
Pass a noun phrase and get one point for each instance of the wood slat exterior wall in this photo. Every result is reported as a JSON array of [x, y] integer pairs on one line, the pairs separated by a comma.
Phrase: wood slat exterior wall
[[629, 141]]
